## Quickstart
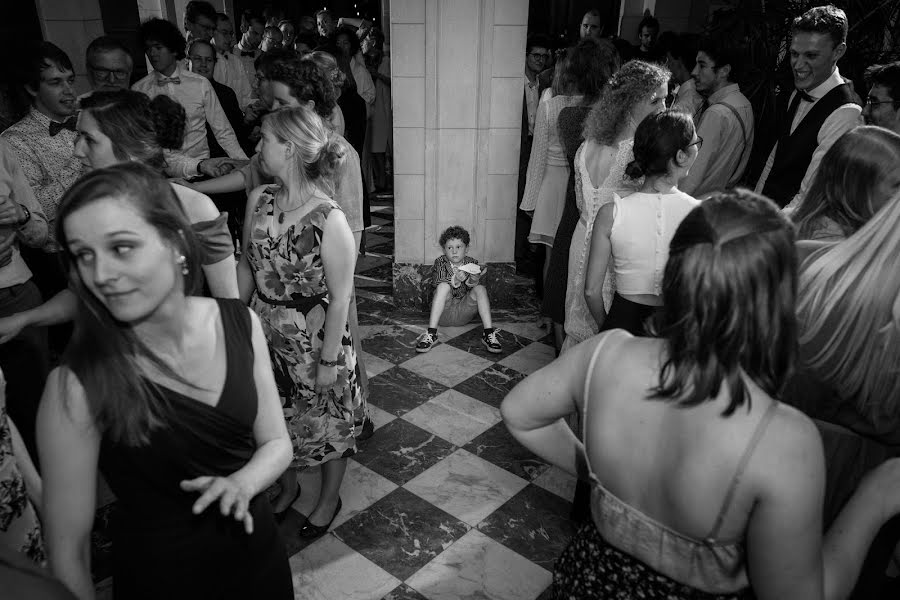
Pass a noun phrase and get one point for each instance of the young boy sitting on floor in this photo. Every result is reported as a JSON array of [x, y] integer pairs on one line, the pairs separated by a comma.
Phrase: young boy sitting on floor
[[457, 293]]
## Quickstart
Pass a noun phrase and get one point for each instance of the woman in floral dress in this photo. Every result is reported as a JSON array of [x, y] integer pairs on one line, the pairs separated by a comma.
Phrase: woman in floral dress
[[297, 272]]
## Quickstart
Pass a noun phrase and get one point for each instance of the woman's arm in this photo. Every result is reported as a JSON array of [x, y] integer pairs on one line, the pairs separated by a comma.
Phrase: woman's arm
[[246, 282], [60, 308], [221, 277], [338, 260], [32, 479], [232, 182], [69, 446], [598, 261], [273, 447], [535, 410]]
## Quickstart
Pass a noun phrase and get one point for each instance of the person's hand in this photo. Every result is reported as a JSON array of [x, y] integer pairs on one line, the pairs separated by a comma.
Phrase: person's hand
[[6, 249], [234, 499], [460, 276], [11, 212], [325, 378], [474, 279], [254, 111], [216, 167], [11, 326]]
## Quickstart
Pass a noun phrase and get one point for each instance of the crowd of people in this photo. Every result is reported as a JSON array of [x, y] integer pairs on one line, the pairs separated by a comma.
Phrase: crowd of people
[[178, 315]]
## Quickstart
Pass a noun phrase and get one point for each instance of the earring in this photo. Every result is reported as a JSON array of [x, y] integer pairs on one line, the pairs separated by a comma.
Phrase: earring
[[182, 260]]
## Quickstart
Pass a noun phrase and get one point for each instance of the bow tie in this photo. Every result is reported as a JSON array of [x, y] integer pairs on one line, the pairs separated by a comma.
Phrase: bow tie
[[164, 80], [248, 53], [804, 96], [56, 127]]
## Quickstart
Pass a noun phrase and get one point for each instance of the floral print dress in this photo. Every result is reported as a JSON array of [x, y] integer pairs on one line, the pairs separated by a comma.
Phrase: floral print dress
[[20, 529], [292, 301]]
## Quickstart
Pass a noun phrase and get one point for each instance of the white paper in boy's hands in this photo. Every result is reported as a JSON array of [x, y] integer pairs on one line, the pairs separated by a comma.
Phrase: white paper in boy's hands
[[471, 268]]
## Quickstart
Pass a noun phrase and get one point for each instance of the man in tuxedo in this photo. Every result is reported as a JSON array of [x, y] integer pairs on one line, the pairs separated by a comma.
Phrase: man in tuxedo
[[821, 108]]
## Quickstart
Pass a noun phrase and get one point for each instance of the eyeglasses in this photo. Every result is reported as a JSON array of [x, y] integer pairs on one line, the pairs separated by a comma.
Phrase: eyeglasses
[[540, 55], [698, 143], [870, 100], [107, 73], [226, 32]]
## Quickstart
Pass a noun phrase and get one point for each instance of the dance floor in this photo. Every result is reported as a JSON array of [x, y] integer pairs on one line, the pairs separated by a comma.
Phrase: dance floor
[[441, 502]]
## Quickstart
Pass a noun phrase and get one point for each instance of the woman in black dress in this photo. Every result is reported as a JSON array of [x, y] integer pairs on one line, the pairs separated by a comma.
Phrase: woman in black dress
[[594, 62], [171, 396]]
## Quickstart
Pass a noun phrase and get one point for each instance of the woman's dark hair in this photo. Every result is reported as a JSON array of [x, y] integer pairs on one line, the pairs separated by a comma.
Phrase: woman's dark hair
[[306, 83], [164, 32], [138, 127], [650, 22], [657, 140], [591, 63], [39, 56], [454, 232], [728, 302], [351, 36], [104, 353]]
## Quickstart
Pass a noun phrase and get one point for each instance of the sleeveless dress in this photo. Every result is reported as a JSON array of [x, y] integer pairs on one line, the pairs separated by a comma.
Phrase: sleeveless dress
[[570, 125], [292, 301], [624, 554], [548, 172], [20, 530], [580, 324], [160, 548]]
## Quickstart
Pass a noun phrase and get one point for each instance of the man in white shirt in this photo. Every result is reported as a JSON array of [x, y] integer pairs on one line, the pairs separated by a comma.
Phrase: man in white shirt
[[726, 125], [821, 109], [229, 69], [883, 101], [164, 46], [247, 50]]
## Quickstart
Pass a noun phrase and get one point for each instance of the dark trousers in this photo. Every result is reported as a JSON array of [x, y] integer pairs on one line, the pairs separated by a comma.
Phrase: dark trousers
[[47, 274], [25, 361]]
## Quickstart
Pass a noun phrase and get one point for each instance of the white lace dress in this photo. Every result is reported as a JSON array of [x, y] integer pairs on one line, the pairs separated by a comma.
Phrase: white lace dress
[[580, 324]]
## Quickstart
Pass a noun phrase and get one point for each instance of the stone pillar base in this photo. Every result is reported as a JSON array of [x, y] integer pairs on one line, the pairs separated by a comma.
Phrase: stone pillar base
[[412, 285]]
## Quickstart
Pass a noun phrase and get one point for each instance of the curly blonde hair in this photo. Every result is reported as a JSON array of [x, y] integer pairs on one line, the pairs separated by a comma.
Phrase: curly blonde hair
[[634, 82]]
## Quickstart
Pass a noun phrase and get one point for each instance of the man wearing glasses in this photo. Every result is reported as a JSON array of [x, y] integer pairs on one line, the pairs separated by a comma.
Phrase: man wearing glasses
[[199, 20], [883, 102], [229, 69], [726, 123]]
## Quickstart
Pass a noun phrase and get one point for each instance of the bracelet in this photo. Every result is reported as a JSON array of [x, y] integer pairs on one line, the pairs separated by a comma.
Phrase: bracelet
[[27, 218], [330, 363]]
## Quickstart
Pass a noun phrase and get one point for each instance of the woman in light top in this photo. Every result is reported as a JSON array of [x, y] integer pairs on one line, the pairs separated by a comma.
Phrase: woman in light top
[[638, 89], [635, 231]]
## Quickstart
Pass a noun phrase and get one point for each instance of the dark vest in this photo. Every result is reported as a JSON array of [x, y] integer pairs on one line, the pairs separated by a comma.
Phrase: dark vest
[[795, 150]]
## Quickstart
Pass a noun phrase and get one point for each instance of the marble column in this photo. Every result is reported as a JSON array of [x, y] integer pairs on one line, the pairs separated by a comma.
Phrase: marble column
[[457, 77]]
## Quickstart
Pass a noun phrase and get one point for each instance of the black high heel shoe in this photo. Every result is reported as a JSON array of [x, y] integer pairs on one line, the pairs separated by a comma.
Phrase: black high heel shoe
[[313, 531], [281, 516]]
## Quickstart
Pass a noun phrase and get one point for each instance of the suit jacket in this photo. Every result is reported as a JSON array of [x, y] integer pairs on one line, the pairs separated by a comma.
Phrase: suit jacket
[[232, 109]]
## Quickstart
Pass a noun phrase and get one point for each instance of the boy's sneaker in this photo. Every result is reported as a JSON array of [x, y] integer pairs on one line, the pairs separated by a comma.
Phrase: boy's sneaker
[[426, 341], [491, 341]]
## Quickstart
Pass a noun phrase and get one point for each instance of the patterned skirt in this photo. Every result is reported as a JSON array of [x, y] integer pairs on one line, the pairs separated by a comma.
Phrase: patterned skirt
[[590, 567]]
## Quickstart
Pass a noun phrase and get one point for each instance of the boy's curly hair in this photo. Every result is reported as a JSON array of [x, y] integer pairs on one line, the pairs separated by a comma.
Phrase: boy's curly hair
[[454, 232]]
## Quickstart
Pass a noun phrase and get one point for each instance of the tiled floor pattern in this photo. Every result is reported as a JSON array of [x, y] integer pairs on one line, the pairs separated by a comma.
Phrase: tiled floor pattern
[[440, 503]]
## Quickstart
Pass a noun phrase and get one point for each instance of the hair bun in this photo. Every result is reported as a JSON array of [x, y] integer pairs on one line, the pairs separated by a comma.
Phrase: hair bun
[[330, 157], [634, 170]]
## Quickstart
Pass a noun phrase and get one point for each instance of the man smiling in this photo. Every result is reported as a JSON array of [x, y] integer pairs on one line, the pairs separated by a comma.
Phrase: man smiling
[[820, 109]]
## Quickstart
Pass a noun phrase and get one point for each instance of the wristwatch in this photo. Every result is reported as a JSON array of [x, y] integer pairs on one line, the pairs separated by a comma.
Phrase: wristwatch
[[27, 218]]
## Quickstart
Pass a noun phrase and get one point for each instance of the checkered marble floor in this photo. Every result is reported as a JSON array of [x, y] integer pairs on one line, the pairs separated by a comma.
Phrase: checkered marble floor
[[441, 502]]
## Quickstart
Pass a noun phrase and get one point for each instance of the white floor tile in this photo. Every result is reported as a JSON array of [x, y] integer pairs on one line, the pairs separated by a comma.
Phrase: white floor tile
[[329, 569], [530, 358], [455, 417], [447, 365]]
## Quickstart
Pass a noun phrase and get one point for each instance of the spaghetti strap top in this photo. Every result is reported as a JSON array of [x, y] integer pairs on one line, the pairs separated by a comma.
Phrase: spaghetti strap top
[[710, 565]]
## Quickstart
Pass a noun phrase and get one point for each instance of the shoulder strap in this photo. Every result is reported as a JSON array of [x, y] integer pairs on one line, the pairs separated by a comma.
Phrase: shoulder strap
[[587, 398], [743, 135], [745, 459]]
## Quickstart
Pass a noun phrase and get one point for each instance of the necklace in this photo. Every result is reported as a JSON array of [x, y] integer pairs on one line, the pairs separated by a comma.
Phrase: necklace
[[284, 212]]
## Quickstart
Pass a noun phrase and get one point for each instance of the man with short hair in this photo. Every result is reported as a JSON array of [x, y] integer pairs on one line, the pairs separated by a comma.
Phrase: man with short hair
[[272, 39], [199, 20], [229, 69], [165, 48], [202, 60], [247, 49], [726, 125], [681, 58], [591, 25], [109, 65], [326, 25], [820, 109], [883, 100]]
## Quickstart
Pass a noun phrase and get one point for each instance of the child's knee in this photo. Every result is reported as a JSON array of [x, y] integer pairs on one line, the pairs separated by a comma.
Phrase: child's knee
[[480, 291], [441, 291]]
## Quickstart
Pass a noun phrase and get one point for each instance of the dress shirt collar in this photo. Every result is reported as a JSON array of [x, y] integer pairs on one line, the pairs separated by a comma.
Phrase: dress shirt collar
[[826, 86], [43, 120], [178, 72], [723, 92], [529, 82]]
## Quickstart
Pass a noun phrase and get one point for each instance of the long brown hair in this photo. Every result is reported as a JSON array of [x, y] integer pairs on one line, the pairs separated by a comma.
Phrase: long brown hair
[[728, 302], [104, 353]]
